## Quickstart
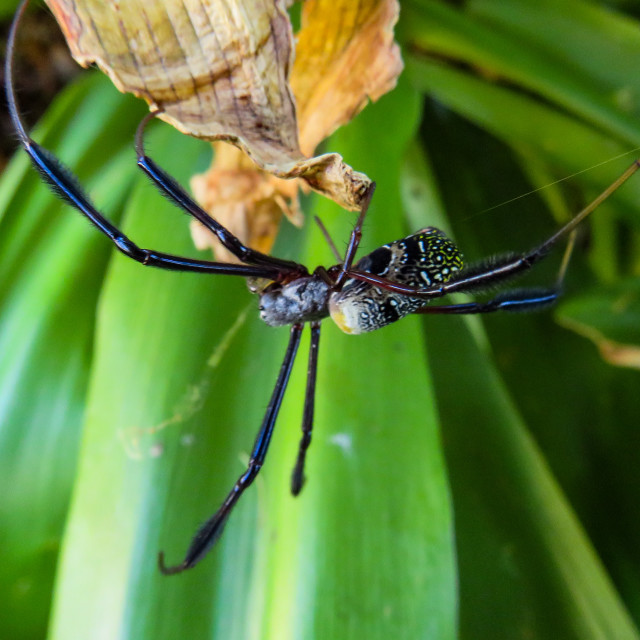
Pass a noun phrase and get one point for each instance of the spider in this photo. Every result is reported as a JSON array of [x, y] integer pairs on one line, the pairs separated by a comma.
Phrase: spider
[[396, 280]]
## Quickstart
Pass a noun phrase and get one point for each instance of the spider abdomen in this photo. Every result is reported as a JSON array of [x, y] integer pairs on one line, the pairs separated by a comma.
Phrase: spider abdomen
[[425, 259]]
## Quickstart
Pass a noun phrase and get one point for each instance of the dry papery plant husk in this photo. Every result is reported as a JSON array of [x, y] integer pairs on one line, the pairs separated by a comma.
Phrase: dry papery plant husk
[[233, 71]]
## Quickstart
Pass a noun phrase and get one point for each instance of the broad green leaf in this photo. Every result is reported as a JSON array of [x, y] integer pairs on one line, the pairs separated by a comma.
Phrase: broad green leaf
[[587, 39], [526, 566], [464, 35], [581, 411], [8, 7], [182, 375], [566, 143], [52, 265]]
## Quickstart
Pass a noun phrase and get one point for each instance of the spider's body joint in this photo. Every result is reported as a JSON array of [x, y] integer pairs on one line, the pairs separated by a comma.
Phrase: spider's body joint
[[423, 259]]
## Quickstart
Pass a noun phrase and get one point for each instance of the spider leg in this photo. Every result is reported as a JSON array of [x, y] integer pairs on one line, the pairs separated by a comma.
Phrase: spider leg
[[516, 300], [354, 240], [66, 186], [500, 268], [212, 529], [170, 187], [297, 477], [328, 238]]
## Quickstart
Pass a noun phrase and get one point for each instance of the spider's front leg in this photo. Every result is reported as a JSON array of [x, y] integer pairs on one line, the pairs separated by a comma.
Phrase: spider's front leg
[[67, 187], [170, 187], [499, 269], [212, 529], [354, 240]]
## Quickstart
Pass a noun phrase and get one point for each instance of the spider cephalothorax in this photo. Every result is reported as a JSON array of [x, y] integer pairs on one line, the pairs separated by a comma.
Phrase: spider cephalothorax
[[303, 300], [393, 281]]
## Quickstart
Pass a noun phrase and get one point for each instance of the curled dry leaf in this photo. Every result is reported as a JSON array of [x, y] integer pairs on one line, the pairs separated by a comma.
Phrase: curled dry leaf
[[222, 70], [610, 318], [345, 56], [249, 202], [616, 353]]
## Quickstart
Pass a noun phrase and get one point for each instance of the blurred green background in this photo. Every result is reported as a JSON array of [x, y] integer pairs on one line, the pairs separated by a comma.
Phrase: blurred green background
[[472, 478]]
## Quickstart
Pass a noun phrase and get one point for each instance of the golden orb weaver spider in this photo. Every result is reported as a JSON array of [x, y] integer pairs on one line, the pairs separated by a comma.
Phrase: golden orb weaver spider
[[393, 281]]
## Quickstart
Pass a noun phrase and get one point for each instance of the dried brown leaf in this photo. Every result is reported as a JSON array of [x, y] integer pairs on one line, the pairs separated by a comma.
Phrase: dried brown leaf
[[345, 56], [219, 70], [616, 353], [248, 202]]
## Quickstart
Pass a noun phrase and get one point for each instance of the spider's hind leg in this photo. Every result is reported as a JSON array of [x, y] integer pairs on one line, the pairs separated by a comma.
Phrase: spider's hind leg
[[499, 269], [211, 530], [517, 300], [297, 477]]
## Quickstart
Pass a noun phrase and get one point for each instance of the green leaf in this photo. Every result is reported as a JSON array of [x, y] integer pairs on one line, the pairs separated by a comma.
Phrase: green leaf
[[51, 265], [539, 59], [180, 382], [540, 434], [567, 144], [8, 7], [526, 567]]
